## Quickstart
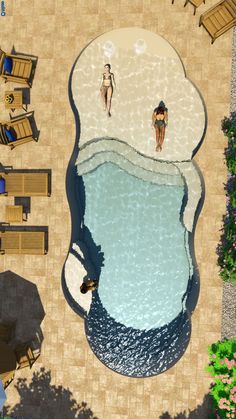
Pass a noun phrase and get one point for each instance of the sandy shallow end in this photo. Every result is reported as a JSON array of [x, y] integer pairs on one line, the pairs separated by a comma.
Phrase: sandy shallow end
[[142, 81]]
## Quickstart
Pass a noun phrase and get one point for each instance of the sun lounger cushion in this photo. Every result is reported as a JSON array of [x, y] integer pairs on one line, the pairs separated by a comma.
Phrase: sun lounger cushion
[[8, 64], [2, 185], [9, 134]]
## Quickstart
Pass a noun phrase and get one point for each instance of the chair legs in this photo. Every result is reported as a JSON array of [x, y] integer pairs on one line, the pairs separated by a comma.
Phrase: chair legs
[[173, 1], [9, 382], [185, 4]]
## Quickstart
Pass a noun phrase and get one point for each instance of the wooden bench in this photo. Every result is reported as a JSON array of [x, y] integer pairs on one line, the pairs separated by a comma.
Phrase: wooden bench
[[26, 184], [22, 242]]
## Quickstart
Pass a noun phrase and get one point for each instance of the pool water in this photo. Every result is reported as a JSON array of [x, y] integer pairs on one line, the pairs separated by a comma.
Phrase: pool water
[[146, 265]]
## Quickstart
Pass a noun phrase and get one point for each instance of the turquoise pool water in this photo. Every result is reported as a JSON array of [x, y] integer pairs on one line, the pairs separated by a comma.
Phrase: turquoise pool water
[[146, 265]]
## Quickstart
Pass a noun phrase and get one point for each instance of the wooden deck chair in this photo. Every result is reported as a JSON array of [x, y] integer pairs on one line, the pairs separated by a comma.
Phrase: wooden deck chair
[[21, 70], [17, 131], [195, 3], [25, 184], [22, 242], [6, 383], [219, 18], [25, 356], [6, 331]]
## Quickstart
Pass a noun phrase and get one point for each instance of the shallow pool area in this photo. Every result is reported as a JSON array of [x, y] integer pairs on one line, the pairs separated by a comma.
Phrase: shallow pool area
[[146, 265]]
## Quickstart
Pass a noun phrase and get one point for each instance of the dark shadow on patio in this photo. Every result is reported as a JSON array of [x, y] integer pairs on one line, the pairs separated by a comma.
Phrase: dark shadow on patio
[[20, 303], [40, 399], [201, 412]]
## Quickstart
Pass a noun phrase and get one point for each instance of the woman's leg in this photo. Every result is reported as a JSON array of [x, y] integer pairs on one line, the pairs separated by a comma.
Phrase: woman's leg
[[162, 135], [157, 138], [104, 97], [109, 96]]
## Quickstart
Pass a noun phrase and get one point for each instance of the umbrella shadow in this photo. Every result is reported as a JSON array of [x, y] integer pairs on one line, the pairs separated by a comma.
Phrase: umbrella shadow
[[20, 303]]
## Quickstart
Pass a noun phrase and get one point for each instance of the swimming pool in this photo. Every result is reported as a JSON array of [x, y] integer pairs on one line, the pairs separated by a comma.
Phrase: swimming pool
[[134, 211], [138, 323], [146, 266]]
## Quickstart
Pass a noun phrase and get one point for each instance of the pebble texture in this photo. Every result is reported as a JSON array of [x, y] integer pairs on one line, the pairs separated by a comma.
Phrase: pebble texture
[[228, 325], [233, 82], [229, 311]]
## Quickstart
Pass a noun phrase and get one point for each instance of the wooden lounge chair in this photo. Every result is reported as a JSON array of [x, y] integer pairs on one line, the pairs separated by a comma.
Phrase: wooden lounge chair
[[26, 184], [22, 242], [25, 356], [20, 129], [219, 18], [5, 382], [22, 68], [195, 3]]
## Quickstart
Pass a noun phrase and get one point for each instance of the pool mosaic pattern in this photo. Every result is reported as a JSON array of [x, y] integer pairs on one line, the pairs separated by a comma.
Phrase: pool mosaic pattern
[[69, 26]]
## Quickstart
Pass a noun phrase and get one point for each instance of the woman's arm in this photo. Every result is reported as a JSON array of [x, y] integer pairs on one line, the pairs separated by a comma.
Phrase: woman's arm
[[166, 117], [101, 83], [153, 118], [113, 79]]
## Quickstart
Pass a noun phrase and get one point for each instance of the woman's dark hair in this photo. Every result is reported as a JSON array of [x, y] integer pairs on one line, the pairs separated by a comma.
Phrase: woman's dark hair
[[108, 65], [161, 108], [83, 288]]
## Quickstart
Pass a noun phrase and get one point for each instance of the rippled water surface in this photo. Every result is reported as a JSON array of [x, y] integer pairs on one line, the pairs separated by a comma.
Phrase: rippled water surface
[[146, 266]]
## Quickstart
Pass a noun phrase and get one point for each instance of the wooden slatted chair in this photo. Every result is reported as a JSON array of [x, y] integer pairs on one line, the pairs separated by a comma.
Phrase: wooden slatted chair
[[17, 131], [8, 382], [195, 3], [25, 184], [22, 68], [219, 18], [16, 242], [25, 355]]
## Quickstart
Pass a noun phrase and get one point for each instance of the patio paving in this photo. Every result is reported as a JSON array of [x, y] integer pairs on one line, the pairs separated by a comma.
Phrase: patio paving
[[56, 32]]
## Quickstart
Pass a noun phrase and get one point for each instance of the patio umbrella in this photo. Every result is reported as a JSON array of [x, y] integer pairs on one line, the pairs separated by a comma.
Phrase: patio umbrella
[[2, 396]]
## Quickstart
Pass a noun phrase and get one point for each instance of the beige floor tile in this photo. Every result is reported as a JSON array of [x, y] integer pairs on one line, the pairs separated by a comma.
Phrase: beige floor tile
[[56, 31]]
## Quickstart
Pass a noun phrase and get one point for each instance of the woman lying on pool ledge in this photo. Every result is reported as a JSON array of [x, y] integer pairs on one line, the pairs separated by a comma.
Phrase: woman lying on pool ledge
[[159, 122]]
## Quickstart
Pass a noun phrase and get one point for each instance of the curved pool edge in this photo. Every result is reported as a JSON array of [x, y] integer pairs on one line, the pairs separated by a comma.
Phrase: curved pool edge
[[76, 230], [192, 297], [181, 342]]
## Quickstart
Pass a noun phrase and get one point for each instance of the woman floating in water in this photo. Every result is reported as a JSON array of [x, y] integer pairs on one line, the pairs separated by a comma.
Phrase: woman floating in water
[[159, 122], [106, 89]]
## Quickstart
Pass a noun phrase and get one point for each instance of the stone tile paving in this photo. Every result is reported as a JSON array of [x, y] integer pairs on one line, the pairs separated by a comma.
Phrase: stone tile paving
[[57, 34]]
